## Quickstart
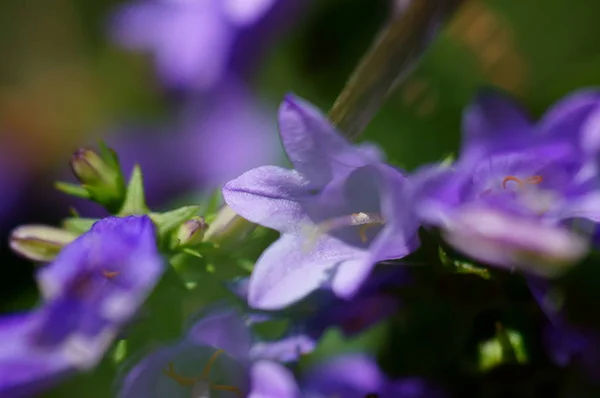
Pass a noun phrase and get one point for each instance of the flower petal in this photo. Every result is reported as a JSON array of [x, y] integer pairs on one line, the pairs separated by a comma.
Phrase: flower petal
[[271, 380], [314, 146], [148, 378], [225, 329], [269, 196], [349, 376], [566, 118], [26, 369], [505, 240], [289, 270], [493, 123], [284, 350]]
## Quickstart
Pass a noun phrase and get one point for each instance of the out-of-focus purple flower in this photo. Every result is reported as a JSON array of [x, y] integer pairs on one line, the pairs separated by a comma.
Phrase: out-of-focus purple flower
[[27, 366], [213, 359], [340, 211], [564, 342], [516, 183], [91, 290], [375, 301], [358, 376], [196, 43]]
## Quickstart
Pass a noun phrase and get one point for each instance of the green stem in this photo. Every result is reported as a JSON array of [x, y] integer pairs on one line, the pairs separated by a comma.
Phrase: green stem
[[390, 59]]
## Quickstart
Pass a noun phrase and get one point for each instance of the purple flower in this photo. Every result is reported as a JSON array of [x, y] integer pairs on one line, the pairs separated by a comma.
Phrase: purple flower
[[95, 285], [340, 211], [195, 42], [27, 365], [321, 310], [565, 343], [358, 376], [214, 359], [507, 199]]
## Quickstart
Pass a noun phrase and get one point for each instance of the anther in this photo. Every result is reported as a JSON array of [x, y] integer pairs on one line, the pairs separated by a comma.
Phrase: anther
[[204, 377], [534, 180], [110, 274], [511, 178], [181, 380]]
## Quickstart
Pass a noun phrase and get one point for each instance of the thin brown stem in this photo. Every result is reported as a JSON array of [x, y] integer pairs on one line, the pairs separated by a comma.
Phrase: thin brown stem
[[390, 59]]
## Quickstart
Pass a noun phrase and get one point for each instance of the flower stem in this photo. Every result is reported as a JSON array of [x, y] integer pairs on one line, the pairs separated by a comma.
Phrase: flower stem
[[390, 59]]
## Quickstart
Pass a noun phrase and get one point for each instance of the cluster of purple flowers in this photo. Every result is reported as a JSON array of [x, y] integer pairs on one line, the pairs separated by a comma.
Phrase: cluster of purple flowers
[[511, 200], [522, 196]]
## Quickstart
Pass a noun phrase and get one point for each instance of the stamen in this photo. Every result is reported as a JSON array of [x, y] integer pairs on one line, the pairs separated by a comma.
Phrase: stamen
[[221, 387], [181, 380], [534, 180], [211, 361], [110, 274], [362, 231], [511, 178]]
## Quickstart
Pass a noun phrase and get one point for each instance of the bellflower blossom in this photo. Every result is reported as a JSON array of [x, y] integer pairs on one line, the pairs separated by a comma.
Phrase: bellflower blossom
[[507, 199], [95, 285], [214, 359], [340, 211], [194, 42]]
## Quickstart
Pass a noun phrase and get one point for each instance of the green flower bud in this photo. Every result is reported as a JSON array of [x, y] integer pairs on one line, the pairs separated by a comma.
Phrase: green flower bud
[[228, 228], [100, 175], [40, 243], [191, 232]]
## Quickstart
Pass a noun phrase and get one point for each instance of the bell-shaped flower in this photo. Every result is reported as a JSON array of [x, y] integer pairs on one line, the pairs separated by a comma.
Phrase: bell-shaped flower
[[510, 196], [340, 211]]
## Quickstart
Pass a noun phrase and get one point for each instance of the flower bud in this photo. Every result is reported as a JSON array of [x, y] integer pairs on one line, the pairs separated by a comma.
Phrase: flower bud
[[39, 242], [100, 175], [191, 232], [228, 228]]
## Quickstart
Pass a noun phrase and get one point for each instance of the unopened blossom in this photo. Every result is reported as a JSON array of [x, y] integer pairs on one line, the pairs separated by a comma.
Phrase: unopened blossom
[[339, 211], [509, 198], [93, 288], [196, 43], [212, 360]]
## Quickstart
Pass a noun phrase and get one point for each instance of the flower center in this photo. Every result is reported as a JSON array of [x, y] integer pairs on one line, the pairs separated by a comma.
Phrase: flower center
[[364, 221], [201, 383]]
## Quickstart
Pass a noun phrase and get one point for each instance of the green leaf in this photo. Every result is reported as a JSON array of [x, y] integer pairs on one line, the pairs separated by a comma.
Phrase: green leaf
[[78, 225], [72, 189], [135, 199], [167, 222]]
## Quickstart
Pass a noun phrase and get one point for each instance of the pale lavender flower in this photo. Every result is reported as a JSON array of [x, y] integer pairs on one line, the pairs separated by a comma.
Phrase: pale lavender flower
[[508, 198], [340, 211]]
